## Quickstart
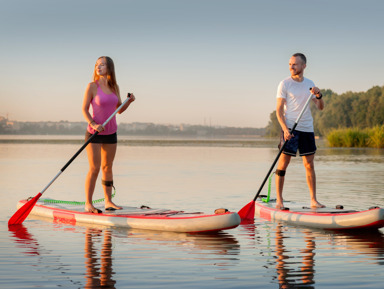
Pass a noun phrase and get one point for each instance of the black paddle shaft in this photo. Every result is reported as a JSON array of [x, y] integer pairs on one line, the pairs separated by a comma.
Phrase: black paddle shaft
[[273, 165], [79, 151], [84, 145], [283, 146], [23, 212], [94, 135]]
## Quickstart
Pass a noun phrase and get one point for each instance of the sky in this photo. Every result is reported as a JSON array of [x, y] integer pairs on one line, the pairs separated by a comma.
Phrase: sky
[[203, 62]]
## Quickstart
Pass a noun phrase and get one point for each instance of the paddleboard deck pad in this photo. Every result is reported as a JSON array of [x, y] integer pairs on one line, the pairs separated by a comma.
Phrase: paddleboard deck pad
[[137, 218], [322, 218]]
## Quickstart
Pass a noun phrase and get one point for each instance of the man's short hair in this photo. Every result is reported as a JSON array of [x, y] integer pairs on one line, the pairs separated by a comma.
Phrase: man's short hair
[[302, 57]]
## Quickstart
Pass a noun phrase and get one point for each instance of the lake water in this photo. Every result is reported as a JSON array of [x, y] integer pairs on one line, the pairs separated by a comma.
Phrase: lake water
[[42, 254]]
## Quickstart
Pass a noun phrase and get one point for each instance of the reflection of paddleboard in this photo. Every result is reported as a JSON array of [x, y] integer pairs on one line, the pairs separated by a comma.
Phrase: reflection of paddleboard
[[323, 218], [138, 218]]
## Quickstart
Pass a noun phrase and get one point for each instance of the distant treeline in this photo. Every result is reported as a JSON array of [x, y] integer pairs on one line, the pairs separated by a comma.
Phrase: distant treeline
[[357, 110], [140, 129], [187, 130]]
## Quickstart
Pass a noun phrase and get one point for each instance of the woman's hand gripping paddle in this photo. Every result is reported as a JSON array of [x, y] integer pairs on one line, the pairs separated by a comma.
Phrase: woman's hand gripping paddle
[[247, 213], [22, 213]]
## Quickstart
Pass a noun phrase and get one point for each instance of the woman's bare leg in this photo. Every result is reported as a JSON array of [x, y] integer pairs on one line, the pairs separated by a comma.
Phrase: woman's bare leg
[[94, 160]]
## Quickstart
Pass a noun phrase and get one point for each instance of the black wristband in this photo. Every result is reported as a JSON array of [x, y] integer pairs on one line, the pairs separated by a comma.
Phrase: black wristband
[[321, 95]]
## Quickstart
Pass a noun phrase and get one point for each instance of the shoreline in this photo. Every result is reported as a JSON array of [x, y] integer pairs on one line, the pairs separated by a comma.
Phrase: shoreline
[[163, 141], [266, 143]]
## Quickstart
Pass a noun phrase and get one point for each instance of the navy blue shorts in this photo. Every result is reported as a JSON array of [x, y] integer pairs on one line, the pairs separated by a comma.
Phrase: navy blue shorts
[[302, 141], [109, 138]]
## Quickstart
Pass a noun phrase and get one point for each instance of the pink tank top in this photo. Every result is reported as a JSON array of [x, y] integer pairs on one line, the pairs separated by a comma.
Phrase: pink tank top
[[103, 106]]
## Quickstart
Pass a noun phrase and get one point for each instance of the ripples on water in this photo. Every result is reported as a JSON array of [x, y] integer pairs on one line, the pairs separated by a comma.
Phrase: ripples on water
[[262, 254], [41, 253]]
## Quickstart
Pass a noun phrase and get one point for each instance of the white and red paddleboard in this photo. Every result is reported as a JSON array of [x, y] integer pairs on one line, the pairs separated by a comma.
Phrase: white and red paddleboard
[[322, 218], [137, 218]]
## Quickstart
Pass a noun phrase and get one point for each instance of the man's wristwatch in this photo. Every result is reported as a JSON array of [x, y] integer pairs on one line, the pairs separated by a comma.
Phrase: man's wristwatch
[[321, 95]]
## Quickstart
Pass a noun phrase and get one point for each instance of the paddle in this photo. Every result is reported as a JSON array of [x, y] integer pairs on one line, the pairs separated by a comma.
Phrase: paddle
[[247, 213], [22, 213]]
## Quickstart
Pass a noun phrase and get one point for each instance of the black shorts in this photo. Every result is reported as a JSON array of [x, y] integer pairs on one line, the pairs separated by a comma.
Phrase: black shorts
[[302, 141], [108, 138]]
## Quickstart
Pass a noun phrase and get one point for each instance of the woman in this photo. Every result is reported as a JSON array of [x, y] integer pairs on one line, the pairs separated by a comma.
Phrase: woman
[[104, 96]]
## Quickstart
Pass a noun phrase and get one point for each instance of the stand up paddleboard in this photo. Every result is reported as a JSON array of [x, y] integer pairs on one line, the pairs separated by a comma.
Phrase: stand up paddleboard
[[322, 218], [138, 218]]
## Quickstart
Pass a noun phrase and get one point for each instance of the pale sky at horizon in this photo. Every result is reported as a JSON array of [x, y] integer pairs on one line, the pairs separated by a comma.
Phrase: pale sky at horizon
[[203, 61]]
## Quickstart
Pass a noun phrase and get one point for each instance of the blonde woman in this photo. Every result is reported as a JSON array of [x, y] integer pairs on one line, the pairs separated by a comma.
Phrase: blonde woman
[[103, 96]]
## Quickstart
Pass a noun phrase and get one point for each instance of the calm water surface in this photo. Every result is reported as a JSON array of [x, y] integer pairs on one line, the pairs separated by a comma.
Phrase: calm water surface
[[42, 254]]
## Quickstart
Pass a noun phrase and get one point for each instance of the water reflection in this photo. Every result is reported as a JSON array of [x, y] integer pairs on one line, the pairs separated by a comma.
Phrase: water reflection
[[23, 239], [221, 249], [293, 250], [99, 271], [305, 273], [219, 243], [354, 155], [369, 244]]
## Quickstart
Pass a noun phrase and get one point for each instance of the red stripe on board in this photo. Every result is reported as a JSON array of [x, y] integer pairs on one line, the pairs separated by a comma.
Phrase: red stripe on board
[[164, 216], [265, 214], [64, 218], [266, 209], [375, 225]]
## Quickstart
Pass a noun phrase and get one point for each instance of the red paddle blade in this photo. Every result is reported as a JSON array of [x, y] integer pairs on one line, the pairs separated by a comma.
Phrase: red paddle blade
[[247, 213], [22, 213]]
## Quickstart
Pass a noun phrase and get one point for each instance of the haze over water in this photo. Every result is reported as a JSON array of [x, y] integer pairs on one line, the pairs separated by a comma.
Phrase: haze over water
[[196, 62]]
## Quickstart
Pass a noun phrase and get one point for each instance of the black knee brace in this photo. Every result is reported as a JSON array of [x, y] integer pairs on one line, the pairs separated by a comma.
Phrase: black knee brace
[[280, 173], [107, 183]]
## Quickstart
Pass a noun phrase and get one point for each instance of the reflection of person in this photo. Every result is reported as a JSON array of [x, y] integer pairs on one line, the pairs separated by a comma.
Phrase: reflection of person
[[292, 95], [104, 96], [285, 275], [98, 275]]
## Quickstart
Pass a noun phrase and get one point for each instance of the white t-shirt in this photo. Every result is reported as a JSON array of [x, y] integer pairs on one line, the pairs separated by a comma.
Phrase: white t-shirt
[[296, 95]]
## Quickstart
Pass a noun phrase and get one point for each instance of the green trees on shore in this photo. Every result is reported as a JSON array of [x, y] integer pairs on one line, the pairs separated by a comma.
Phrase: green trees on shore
[[349, 119], [359, 110]]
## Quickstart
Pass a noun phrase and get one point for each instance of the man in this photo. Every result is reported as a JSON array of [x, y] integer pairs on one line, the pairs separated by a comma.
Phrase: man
[[292, 95]]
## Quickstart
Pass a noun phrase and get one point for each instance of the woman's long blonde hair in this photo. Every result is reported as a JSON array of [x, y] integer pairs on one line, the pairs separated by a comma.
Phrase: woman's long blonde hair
[[111, 75]]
